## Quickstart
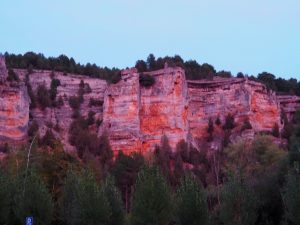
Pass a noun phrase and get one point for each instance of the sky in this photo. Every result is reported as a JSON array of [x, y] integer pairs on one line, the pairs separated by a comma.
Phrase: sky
[[249, 36]]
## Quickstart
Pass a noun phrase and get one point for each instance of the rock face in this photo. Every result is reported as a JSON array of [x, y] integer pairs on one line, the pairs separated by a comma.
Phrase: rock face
[[245, 100], [61, 117], [289, 104], [136, 117], [14, 109]]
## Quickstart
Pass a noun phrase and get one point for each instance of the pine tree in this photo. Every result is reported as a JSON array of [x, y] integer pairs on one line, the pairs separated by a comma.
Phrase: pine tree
[[32, 198], [115, 202], [239, 203], [191, 203], [152, 199], [6, 191], [291, 197]]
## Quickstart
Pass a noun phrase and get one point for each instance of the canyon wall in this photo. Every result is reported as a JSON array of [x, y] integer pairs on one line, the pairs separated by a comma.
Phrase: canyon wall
[[14, 109], [136, 117]]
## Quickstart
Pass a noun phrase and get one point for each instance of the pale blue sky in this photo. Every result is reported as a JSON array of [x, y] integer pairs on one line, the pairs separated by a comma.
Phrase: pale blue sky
[[236, 35]]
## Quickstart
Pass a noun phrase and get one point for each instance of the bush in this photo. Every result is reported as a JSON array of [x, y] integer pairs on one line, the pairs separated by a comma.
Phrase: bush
[[218, 121], [146, 80], [229, 122], [94, 102], [247, 125], [74, 102], [12, 76], [43, 97], [275, 130]]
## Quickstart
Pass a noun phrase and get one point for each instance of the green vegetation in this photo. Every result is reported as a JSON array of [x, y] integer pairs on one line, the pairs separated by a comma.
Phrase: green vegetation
[[146, 80], [61, 63]]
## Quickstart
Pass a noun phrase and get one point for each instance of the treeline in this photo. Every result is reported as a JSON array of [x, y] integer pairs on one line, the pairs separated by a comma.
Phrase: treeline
[[246, 183], [196, 71], [62, 63], [193, 70]]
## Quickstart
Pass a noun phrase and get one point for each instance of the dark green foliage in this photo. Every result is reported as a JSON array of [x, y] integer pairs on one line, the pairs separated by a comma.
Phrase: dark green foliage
[[152, 200], [104, 151], [95, 102], [12, 76], [43, 97], [210, 129], [53, 88], [291, 196], [91, 118], [61, 63], [115, 202], [224, 74], [239, 203], [275, 130], [6, 194], [268, 79], [48, 139], [74, 102], [83, 201], [195, 71], [191, 203], [218, 121], [32, 198], [247, 125], [229, 122], [240, 75], [146, 80], [31, 96], [81, 138], [125, 170], [33, 129], [141, 66]]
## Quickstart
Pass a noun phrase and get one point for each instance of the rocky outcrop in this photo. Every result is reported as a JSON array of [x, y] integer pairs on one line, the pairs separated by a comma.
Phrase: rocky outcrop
[[289, 104], [14, 108], [59, 119], [136, 117]]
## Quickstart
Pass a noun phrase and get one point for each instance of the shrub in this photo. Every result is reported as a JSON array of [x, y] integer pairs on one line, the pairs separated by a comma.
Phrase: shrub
[[91, 119], [218, 121], [95, 102], [43, 97], [275, 130], [33, 129], [12, 76], [74, 102], [247, 125], [146, 80], [229, 122]]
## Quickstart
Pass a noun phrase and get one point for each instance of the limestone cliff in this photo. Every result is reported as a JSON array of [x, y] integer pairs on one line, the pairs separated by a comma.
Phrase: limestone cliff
[[136, 117], [14, 108]]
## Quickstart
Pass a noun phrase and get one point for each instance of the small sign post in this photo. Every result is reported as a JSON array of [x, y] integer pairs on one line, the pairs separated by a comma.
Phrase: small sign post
[[29, 220]]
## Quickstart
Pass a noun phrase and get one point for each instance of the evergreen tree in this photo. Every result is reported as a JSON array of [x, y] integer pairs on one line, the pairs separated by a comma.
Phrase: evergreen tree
[[191, 203], [94, 207], [6, 191], [83, 201], [32, 198], [239, 203], [291, 197], [152, 199], [115, 202]]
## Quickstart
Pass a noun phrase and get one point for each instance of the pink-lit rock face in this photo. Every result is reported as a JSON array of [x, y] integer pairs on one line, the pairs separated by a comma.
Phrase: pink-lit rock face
[[14, 113], [62, 116], [136, 117], [289, 104]]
